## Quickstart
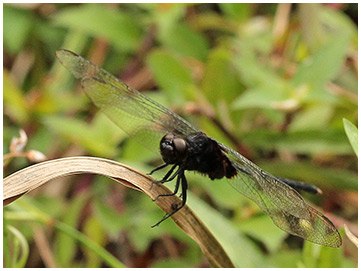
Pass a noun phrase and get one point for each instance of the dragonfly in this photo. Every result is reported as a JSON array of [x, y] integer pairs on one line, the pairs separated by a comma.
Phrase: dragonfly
[[184, 147]]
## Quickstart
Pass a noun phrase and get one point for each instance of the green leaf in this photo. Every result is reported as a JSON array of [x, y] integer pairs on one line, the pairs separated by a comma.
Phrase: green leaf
[[217, 189], [41, 140], [166, 16], [105, 215], [305, 119], [285, 258], [184, 40], [330, 258], [95, 232], [171, 75], [99, 138], [119, 28], [65, 245], [352, 134], [20, 248], [301, 142], [262, 97], [173, 263], [132, 149], [106, 131], [310, 253], [140, 211], [325, 177], [262, 229], [52, 206], [339, 22], [324, 64], [17, 26], [220, 81], [236, 11], [312, 31], [14, 100], [320, 256], [252, 73], [234, 243]]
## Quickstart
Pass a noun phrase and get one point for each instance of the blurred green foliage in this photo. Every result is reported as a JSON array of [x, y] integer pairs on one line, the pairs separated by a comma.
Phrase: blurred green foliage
[[278, 78], [352, 134]]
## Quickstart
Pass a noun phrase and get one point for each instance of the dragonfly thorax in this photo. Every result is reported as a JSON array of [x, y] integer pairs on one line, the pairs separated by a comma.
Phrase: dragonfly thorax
[[196, 152]]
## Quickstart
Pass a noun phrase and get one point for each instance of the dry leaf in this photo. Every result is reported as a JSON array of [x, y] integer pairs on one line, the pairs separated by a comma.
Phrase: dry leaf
[[32, 177], [351, 236]]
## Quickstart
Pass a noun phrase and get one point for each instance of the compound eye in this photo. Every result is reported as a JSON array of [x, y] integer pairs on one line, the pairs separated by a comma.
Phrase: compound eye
[[168, 137], [180, 145]]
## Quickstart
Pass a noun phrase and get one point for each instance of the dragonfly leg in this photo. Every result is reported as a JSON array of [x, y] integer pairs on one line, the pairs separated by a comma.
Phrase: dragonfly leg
[[184, 199], [157, 168], [175, 190], [165, 178]]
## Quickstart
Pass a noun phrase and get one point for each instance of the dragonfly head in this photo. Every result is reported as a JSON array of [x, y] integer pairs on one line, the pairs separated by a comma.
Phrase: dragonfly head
[[173, 149]]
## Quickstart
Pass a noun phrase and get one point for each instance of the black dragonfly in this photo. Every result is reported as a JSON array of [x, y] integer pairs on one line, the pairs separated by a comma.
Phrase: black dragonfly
[[186, 148]]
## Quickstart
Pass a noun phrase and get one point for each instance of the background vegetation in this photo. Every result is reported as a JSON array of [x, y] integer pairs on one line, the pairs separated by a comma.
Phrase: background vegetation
[[272, 81]]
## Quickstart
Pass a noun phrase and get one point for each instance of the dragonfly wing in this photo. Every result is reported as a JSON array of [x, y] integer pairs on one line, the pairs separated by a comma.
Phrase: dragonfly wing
[[138, 115], [148, 121], [282, 203]]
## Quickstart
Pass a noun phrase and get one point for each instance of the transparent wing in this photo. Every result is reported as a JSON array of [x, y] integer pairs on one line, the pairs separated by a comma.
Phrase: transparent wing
[[138, 115], [281, 202]]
